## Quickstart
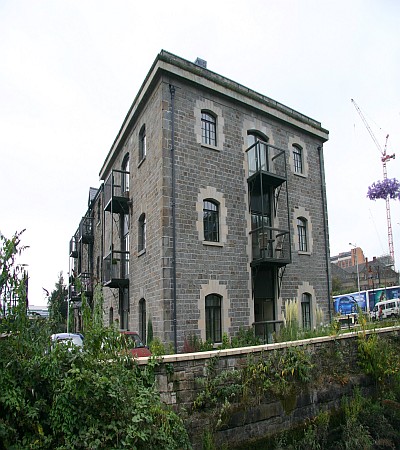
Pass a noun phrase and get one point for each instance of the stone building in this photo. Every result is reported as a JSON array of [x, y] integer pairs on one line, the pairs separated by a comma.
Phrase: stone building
[[211, 212]]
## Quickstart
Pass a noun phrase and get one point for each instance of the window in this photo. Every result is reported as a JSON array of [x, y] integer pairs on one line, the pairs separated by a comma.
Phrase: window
[[125, 174], [142, 319], [98, 211], [302, 234], [306, 310], [142, 143], [125, 244], [257, 156], [211, 221], [142, 233], [208, 128], [298, 159], [213, 318]]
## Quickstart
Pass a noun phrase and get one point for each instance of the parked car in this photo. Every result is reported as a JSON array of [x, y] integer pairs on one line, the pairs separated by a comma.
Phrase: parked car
[[347, 305], [390, 308], [67, 338], [134, 344]]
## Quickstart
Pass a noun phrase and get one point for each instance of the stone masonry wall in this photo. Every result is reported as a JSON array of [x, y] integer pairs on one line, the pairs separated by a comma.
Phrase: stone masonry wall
[[336, 375]]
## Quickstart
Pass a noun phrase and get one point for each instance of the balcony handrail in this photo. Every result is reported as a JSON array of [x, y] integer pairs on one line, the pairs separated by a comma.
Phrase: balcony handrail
[[267, 228]]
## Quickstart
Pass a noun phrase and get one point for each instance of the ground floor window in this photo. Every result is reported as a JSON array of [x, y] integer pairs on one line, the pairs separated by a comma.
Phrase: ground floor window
[[306, 311], [213, 318]]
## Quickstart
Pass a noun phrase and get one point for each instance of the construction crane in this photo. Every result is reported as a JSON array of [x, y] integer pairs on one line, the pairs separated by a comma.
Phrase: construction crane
[[384, 159]]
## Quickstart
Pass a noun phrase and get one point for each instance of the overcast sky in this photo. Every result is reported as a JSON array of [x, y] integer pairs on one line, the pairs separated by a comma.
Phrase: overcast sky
[[69, 71]]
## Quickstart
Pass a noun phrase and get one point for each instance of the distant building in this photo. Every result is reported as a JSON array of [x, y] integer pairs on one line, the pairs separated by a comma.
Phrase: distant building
[[372, 274], [349, 259], [211, 213]]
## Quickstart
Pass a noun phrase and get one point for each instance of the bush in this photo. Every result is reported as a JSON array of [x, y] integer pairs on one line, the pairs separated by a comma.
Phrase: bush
[[66, 398]]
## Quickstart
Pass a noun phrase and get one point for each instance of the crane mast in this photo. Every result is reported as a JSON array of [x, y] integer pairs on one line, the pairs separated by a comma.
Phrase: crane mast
[[384, 158]]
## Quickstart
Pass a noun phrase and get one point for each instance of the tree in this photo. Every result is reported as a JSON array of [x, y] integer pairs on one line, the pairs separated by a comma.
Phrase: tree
[[58, 305]]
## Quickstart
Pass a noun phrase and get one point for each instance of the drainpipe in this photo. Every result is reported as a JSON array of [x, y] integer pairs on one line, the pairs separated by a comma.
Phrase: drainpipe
[[324, 213], [172, 92]]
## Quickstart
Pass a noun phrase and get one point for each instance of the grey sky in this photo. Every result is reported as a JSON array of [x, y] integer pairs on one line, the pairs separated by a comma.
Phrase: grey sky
[[69, 71]]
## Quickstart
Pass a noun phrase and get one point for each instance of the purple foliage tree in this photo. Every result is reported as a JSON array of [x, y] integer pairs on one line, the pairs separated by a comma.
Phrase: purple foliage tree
[[382, 189]]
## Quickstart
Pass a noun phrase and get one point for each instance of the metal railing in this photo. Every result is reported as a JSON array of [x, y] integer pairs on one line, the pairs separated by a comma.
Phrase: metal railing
[[86, 229], [266, 330], [116, 266], [116, 186], [263, 157], [270, 243]]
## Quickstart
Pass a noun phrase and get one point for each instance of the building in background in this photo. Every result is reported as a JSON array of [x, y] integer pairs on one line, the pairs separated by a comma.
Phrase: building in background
[[377, 273], [211, 213]]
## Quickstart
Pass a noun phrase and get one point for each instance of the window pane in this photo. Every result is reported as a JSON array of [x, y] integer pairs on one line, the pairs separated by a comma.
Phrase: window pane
[[213, 318], [142, 233], [306, 311], [297, 159], [208, 129], [211, 221], [142, 143], [302, 232]]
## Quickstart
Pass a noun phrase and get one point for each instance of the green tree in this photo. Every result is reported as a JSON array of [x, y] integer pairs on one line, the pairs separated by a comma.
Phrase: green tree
[[58, 305]]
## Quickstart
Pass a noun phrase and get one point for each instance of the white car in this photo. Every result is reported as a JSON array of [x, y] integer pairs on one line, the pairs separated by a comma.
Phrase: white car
[[66, 338]]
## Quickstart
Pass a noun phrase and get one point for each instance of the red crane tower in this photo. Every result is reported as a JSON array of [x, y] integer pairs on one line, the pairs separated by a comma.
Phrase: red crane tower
[[384, 158]]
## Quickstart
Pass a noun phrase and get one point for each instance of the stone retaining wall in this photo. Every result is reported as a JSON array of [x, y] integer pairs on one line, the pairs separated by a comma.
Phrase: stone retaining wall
[[336, 375]]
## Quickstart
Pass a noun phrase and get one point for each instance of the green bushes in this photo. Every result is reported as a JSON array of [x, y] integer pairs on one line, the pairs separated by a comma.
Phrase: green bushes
[[64, 398]]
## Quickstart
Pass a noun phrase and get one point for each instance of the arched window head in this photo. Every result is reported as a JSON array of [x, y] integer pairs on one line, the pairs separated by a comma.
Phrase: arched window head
[[211, 220], [213, 304], [302, 234], [208, 128], [142, 143], [142, 233], [298, 158]]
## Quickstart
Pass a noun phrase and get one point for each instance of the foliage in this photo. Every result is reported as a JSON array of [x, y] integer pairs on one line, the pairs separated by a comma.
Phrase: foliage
[[58, 306], [277, 373], [244, 338], [61, 397], [389, 187], [379, 357], [291, 329], [157, 348], [193, 343], [218, 388], [12, 277]]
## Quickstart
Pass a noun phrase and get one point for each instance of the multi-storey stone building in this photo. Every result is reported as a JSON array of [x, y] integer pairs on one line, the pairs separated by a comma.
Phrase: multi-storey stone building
[[211, 212]]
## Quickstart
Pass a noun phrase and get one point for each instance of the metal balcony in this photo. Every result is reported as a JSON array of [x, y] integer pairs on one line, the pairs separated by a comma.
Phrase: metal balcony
[[270, 245], [85, 284], [267, 164], [116, 269], [266, 330], [73, 294], [73, 246], [116, 192], [86, 230]]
